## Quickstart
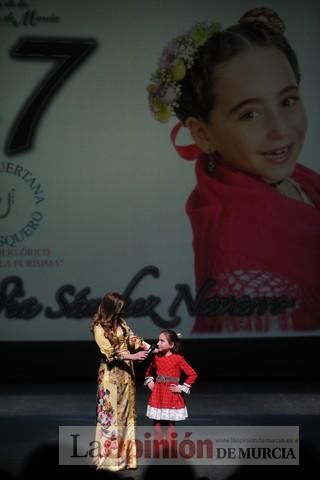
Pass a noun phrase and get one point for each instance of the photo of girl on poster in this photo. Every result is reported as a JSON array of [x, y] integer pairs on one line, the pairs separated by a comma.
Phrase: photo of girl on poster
[[255, 209]]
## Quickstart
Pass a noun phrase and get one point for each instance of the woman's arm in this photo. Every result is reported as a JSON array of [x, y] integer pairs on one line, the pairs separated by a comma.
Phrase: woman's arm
[[141, 355], [136, 342], [103, 343]]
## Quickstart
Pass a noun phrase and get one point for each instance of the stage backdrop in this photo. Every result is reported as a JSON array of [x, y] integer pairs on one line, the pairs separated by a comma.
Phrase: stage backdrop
[[92, 192]]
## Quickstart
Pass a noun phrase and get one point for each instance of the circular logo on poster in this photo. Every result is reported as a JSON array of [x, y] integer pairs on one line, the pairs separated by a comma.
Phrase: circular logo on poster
[[21, 204]]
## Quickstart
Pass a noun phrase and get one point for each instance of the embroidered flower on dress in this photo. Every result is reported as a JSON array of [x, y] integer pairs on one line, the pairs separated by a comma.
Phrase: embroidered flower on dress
[[177, 57]]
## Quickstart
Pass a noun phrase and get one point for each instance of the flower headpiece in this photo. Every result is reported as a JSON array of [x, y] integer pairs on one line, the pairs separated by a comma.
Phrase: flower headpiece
[[179, 55]]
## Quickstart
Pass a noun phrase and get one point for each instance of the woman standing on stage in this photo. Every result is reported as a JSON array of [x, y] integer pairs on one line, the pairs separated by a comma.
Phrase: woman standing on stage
[[116, 392]]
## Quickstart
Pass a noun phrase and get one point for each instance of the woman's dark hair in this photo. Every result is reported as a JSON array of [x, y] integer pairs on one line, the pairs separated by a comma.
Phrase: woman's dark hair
[[197, 88], [109, 311], [173, 337]]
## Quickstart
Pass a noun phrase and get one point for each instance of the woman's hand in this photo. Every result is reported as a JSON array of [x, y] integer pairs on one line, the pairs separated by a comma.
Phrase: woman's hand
[[145, 345], [153, 348], [141, 355]]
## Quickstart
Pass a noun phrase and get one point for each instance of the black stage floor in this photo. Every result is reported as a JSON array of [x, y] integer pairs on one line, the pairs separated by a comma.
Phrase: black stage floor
[[30, 414]]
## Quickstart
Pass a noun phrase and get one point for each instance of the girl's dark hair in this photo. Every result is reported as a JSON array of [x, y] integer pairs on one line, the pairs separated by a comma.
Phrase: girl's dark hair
[[109, 312], [197, 88], [173, 337]]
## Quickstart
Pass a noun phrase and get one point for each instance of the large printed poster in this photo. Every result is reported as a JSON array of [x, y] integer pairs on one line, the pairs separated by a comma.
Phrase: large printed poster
[[93, 194]]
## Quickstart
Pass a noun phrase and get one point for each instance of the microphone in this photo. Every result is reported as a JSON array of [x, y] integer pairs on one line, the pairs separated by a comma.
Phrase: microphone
[[152, 347]]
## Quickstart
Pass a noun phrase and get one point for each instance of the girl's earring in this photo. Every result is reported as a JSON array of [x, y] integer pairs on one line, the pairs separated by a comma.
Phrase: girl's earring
[[211, 162]]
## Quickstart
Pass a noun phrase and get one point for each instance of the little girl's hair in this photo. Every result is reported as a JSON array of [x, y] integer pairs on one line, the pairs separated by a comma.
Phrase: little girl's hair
[[197, 88], [174, 338]]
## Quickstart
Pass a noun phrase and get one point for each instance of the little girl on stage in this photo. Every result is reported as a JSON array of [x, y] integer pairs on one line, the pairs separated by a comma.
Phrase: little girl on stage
[[166, 404]]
